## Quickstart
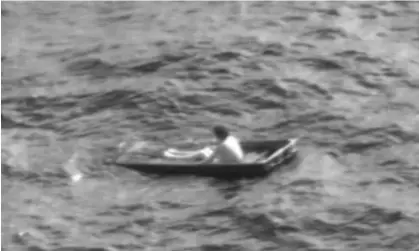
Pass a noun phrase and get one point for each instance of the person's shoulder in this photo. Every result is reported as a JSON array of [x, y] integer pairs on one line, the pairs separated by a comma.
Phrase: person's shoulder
[[231, 140]]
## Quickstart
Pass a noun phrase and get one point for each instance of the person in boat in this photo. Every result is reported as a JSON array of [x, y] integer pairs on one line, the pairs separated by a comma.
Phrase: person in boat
[[227, 150]]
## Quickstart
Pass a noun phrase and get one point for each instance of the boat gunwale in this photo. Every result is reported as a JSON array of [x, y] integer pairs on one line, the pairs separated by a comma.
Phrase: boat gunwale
[[258, 164]]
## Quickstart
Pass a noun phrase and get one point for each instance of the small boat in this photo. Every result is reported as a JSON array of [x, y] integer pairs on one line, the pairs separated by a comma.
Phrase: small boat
[[267, 156]]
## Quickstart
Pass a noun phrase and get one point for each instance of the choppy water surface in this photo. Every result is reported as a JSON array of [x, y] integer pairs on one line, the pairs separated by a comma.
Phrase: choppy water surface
[[78, 77]]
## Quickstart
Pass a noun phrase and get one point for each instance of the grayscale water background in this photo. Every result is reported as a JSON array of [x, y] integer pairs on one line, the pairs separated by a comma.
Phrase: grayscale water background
[[79, 77]]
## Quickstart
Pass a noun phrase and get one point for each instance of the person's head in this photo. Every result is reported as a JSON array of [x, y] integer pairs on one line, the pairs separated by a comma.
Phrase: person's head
[[220, 132]]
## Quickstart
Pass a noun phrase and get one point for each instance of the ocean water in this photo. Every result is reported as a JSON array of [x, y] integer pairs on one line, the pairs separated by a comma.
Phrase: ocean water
[[79, 78]]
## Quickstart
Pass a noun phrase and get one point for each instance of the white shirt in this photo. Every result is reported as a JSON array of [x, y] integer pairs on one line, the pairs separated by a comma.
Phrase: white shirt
[[229, 151]]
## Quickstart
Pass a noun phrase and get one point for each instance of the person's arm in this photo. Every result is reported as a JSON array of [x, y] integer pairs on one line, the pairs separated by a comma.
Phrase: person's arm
[[211, 157]]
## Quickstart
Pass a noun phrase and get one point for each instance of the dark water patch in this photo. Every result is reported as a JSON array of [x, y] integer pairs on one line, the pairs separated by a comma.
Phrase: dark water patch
[[107, 8], [268, 85], [225, 110], [251, 44], [261, 102], [45, 13], [350, 92], [369, 132], [273, 49], [15, 172], [403, 136], [409, 172], [176, 56], [114, 18], [308, 87], [348, 53], [5, 12], [192, 11], [230, 55], [6, 169], [58, 52], [359, 56], [132, 207], [403, 28], [17, 82], [303, 45], [202, 46], [9, 123], [114, 99], [197, 99], [34, 107], [254, 65], [194, 76], [79, 54], [321, 63], [391, 163], [190, 227], [319, 226], [192, 66], [330, 12], [226, 70], [387, 13], [80, 248], [360, 226], [227, 89], [124, 100], [168, 105], [272, 23], [200, 61], [48, 112], [392, 72], [304, 183], [382, 34], [221, 247], [376, 216], [180, 62], [326, 33], [158, 122], [256, 22], [308, 118], [116, 212], [387, 134], [93, 67], [414, 84], [118, 228], [391, 180], [343, 214], [367, 6], [367, 81], [361, 147], [172, 205], [368, 16], [129, 247], [365, 58], [54, 233], [258, 226], [408, 241], [41, 116], [148, 67], [294, 18], [324, 137]]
